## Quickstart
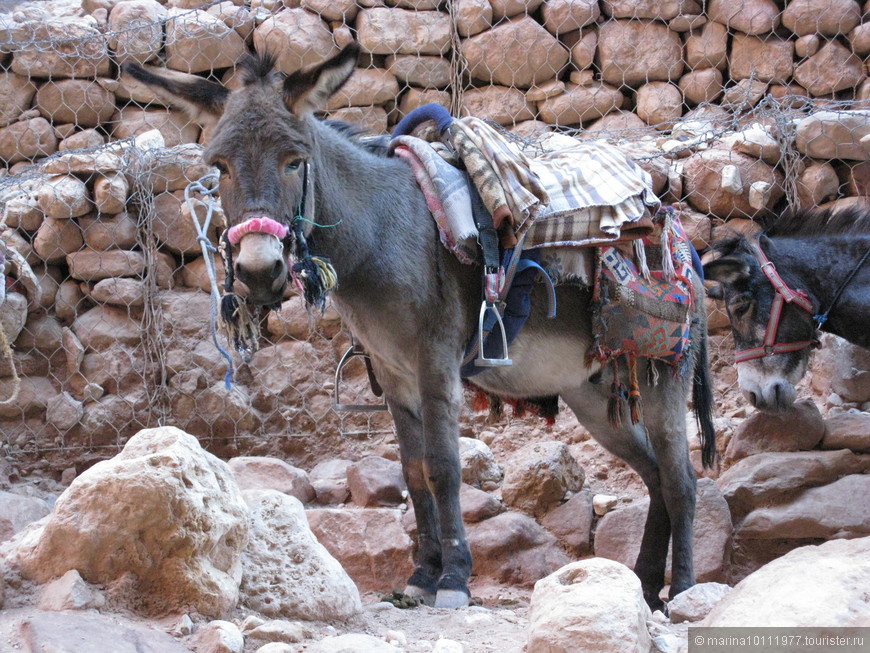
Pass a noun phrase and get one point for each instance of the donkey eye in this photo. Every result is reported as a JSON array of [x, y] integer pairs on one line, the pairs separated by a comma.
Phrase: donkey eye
[[293, 165], [741, 309], [222, 168]]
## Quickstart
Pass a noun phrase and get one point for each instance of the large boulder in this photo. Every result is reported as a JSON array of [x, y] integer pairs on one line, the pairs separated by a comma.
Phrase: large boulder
[[819, 586], [798, 429], [383, 30], [594, 605], [298, 38], [635, 52], [79, 49], [833, 135], [538, 476], [287, 572], [163, 515], [16, 92]]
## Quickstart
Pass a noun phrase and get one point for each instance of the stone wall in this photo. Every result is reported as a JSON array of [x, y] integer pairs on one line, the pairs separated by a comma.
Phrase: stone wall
[[736, 112]]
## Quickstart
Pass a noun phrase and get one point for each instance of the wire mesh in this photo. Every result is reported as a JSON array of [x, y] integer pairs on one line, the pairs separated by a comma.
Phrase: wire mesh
[[738, 110]]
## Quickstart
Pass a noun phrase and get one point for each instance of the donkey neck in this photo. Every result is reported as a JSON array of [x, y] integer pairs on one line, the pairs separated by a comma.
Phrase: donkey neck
[[819, 265]]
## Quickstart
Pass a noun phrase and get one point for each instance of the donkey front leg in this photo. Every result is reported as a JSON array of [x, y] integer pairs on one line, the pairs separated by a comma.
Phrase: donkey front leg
[[441, 395]]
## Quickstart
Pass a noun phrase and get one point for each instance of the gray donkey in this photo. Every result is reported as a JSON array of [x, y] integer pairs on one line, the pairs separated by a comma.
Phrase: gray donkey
[[414, 307]]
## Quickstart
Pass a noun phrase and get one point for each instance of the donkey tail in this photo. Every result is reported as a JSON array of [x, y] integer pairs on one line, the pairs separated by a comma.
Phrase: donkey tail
[[702, 400]]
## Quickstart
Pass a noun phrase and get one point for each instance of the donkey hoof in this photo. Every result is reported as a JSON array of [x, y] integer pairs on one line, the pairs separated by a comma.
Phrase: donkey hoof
[[451, 599], [427, 598]]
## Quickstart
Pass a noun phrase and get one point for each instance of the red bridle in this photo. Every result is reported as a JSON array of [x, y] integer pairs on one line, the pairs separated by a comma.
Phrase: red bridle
[[783, 295]]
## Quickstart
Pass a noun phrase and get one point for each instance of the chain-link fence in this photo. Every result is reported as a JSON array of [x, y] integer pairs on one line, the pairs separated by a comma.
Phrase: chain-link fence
[[739, 110]]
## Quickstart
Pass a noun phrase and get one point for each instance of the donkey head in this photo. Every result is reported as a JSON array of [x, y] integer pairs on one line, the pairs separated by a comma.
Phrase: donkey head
[[768, 380], [262, 139]]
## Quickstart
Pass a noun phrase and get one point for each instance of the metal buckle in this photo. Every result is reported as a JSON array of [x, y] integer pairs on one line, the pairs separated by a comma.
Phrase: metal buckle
[[482, 360], [351, 353]]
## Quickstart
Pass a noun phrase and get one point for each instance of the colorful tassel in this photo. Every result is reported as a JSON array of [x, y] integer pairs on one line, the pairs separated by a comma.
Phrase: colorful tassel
[[635, 403], [616, 403]]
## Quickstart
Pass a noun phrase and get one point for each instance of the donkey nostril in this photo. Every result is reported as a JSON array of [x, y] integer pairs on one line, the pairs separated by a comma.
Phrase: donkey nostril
[[753, 399], [277, 270]]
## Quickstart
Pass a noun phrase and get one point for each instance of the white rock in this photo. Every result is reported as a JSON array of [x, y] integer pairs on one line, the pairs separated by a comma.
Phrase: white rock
[[820, 586], [287, 572], [479, 467], [163, 513], [219, 637], [759, 194], [70, 592], [696, 602], [593, 606], [731, 180], [443, 645], [353, 643], [603, 503]]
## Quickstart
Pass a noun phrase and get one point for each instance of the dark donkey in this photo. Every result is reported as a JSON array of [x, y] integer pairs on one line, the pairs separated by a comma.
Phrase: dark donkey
[[818, 259], [414, 307]]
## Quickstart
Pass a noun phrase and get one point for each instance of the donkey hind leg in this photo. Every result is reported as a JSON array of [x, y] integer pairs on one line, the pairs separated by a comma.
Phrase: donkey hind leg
[[670, 485], [423, 583]]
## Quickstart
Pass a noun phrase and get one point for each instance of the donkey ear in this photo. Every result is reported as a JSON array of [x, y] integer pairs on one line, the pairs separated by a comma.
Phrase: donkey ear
[[727, 270], [306, 92], [203, 101]]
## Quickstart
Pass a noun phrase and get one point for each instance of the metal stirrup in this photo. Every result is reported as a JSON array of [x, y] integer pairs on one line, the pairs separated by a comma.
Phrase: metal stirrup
[[352, 352], [482, 360]]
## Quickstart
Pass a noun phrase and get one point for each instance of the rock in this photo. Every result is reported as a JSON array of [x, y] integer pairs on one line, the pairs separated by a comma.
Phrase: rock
[[136, 32], [580, 104], [413, 98], [506, 106], [513, 548], [236, 17], [538, 475], [479, 467], [709, 48], [175, 127], [88, 265], [847, 431], [646, 9], [219, 637], [604, 503], [353, 643], [592, 606], [371, 119], [70, 592], [820, 17], [174, 226], [80, 102], [278, 630], [85, 139], [799, 429], [701, 86], [56, 238], [14, 317], [425, 72], [519, 53], [583, 52], [619, 533], [833, 135], [197, 41], [659, 104], [264, 473], [702, 183], [163, 510], [472, 16], [833, 68], [63, 197], [195, 275], [175, 167], [17, 511], [571, 523], [297, 37], [398, 31], [287, 573], [563, 16], [63, 412], [110, 193], [696, 602], [105, 232], [70, 299], [27, 140], [825, 512], [78, 50], [364, 87], [635, 52], [774, 478], [818, 586], [747, 16], [859, 39], [509, 8], [42, 332], [766, 58], [477, 505], [88, 632], [33, 396], [119, 292], [370, 544], [329, 480], [375, 481], [816, 184], [16, 93]]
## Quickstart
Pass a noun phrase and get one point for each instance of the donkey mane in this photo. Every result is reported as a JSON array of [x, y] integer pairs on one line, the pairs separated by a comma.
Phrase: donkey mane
[[257, 67], [818, 222]]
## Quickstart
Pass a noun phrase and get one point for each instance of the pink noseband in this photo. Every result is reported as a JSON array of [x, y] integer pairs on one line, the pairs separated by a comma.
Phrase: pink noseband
[[262, 225]]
